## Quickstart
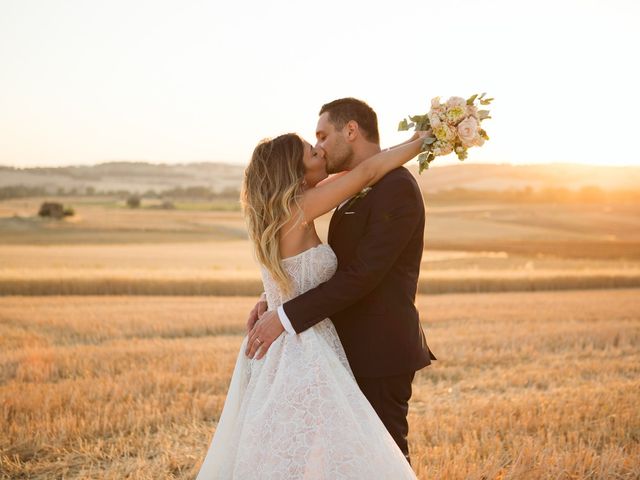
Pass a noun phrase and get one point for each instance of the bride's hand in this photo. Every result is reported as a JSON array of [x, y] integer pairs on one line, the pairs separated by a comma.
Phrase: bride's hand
[[422, 134]]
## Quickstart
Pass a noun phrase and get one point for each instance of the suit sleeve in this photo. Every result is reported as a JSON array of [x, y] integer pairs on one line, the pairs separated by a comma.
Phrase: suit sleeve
[[391, 225]]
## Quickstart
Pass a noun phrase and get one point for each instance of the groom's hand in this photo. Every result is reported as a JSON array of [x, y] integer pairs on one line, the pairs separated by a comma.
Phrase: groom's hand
[[263, 334]]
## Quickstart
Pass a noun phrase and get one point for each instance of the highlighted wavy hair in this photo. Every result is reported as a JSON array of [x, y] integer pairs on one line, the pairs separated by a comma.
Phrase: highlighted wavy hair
[[272, 185]]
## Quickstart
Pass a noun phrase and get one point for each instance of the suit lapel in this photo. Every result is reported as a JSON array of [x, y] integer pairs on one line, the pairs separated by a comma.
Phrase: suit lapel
[[332, 224], [338, 215]]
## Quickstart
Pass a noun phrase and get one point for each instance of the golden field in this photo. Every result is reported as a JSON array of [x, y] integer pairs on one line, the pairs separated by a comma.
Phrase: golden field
[[119, 330], [106, 249], [527, 385]]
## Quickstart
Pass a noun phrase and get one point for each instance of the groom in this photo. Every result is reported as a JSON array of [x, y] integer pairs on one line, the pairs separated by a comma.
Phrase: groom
[[378, 239]]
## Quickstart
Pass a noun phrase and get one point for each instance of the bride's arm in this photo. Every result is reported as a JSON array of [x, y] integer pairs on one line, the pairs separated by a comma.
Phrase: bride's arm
[[322, 199], [336, 176], [414, 137], [331, 178]]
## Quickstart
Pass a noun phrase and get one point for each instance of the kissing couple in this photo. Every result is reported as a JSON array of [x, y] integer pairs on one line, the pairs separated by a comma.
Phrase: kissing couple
[[322, 383]]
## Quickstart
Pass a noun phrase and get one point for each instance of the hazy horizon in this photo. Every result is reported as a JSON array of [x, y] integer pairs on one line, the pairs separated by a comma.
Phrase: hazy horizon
[[411, 164]]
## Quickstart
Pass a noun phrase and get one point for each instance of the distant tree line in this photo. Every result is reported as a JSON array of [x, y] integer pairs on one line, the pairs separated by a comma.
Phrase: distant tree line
[[193, 192], [204, 193], [587, 194], [21, 191]]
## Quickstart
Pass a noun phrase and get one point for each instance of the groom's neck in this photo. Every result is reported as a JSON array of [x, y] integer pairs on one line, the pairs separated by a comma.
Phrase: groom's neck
[[365, 151]]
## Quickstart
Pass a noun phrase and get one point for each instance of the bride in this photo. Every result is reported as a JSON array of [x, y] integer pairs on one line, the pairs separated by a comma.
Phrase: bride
[[298, 413]]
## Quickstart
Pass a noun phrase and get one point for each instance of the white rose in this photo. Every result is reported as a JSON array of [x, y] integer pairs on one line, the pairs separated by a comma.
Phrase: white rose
[[444, 132], [442, 148], [455, 114], [456, 102], [434, 119]]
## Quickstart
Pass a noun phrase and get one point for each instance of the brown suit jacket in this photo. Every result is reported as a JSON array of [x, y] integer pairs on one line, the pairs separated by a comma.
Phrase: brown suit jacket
[[378, 240]]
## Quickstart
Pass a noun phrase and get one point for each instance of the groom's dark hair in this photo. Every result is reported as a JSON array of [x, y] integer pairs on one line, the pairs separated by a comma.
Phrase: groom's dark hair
[[344, 110]]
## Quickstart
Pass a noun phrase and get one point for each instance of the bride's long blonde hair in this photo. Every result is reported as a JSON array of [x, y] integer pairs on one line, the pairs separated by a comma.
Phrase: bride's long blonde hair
[[272, 184]]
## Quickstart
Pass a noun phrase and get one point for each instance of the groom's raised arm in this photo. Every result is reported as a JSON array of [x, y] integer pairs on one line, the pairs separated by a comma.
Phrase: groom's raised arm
[[393, 219]]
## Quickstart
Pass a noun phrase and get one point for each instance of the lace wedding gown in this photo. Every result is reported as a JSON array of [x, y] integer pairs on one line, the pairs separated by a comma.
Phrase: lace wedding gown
[[298, 413]]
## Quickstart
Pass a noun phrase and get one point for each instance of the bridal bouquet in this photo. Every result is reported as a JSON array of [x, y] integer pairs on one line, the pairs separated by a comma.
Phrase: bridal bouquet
[[453, 126]]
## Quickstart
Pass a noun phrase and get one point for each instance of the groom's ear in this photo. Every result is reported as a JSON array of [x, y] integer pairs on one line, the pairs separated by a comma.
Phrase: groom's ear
[[352, 130]]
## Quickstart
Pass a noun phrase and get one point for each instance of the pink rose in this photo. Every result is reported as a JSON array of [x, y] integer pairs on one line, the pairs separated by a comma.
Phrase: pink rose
[[478, 141], [435, 103], [468, 131]]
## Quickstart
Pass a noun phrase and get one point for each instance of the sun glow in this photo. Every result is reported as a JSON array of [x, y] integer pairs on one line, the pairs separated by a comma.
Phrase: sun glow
[[168, 81]]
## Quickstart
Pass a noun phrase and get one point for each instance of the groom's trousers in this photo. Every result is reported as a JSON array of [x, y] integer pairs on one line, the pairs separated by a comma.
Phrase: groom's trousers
[[389, 397]]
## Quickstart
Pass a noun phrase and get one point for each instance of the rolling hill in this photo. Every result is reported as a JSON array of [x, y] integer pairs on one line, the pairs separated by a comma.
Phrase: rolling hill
[[141, 177]]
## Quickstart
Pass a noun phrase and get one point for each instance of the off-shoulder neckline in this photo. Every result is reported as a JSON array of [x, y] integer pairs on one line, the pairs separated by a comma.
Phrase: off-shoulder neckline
[[305, 251]]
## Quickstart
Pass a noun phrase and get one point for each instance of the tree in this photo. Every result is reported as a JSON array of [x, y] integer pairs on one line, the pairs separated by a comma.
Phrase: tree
[[51, 209], [133, 201]]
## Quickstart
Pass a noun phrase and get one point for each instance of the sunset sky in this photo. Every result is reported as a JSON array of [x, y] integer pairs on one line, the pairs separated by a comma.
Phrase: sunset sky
[[87, 81]]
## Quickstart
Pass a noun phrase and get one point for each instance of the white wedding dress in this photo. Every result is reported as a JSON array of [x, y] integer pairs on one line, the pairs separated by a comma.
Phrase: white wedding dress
[[298, 413]]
